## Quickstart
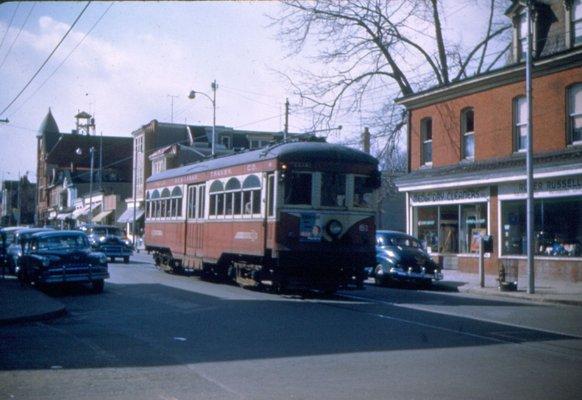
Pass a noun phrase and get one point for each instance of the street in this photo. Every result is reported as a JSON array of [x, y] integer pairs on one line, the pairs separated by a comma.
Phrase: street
[[153, 335]]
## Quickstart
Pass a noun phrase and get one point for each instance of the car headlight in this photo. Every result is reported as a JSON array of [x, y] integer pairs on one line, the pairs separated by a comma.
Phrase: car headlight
[[45, 261], [102, 259], [102, 239], [334, 227], [391, 254]]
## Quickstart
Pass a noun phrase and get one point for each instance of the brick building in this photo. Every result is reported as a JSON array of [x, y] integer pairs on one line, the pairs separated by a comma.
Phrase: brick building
[[467, 155]]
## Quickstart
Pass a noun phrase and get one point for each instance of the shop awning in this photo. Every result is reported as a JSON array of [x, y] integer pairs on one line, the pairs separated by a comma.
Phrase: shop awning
[[80, 211], [64, 216], [101, 216], [127, 216]]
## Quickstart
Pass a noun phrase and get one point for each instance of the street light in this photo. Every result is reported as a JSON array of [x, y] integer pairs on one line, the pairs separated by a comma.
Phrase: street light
[[193, 94], [79, 152]]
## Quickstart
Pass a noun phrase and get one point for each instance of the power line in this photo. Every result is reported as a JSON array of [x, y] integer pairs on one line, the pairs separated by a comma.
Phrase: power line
[[17, 35], [256, 122], [62, 62], [47, 59], [10, 24]]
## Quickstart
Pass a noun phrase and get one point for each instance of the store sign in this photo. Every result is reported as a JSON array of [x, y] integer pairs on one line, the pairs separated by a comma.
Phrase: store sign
[[557, 186], [450, 196]]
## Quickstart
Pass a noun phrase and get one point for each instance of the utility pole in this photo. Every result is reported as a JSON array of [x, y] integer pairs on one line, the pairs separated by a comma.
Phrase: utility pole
[[529, 156], [286, 131], [172, 97], [18, 201]]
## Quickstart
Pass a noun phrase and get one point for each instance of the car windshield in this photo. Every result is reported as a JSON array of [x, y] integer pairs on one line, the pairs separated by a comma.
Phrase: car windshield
[[62, 242], [397, 241], [104, 231]]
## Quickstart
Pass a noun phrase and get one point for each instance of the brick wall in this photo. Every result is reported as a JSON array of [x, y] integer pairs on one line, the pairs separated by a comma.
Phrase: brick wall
[[494, 120]]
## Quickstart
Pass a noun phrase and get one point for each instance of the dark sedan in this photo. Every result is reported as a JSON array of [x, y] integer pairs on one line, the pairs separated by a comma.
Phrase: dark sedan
[[60, 257], [6, 239], [109, 240], [14, 250], [401, 257]]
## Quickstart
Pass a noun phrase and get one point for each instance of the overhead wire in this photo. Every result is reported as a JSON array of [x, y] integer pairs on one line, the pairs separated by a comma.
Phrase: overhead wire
[[63, 61], [46, 60], [9, 24], [17, 35]]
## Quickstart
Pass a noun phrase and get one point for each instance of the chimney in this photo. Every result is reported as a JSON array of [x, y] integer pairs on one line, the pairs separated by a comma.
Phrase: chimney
[[366, 140]]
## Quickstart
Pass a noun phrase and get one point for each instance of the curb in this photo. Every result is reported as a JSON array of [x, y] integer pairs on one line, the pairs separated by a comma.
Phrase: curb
[[61, 311], [541, 299]]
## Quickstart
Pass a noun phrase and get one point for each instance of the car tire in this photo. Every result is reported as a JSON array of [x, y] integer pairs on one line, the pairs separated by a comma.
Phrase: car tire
[[126, 260], [98, 285]]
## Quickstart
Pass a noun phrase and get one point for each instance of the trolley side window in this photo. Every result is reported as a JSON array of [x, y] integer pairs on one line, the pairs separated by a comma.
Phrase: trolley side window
[[216, 205], [251, 195], [333, 189], [165, 203], [176, 203], [191, 202], [201, 199], [298, 188], [233, 197]]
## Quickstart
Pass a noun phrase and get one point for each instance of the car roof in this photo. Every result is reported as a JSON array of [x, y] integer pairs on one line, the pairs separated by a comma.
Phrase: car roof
[[57, 233], [34, 230], [395, 233], [13, 228]]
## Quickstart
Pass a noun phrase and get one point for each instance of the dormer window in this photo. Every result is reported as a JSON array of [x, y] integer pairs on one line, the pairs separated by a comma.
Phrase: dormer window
[[468, 133], [522, 35]]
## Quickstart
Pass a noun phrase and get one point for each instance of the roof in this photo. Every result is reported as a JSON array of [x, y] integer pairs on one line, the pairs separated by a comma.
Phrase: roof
[[117, 151], [49, 130], [285, 152], [497, 168]]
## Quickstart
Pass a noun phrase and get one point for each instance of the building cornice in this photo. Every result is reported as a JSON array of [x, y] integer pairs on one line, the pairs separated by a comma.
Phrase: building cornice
[[513, 74]]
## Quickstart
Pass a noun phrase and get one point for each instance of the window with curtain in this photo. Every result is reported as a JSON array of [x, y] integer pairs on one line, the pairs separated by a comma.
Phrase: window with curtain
[[520, 123]]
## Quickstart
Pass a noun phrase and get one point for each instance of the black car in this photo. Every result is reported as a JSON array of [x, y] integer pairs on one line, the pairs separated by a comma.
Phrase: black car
[[60, 257], [401, 257], [14, 250], [109, 240]]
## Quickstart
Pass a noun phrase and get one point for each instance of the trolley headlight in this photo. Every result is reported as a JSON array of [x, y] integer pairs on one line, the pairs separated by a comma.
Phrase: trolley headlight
[[334, 227]]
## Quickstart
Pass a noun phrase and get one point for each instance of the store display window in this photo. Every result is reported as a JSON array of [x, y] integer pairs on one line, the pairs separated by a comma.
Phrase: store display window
[[473, 226], [426, 225], [557, 227]]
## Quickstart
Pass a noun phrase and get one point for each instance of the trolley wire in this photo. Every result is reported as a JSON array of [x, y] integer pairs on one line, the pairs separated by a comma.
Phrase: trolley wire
[[9, 24], [17, 35], [46, 60]]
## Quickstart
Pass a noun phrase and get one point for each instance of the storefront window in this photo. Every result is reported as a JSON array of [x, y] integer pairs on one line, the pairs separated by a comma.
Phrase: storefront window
[[449, 229], [557, 227], [473, 226], [426, 220]]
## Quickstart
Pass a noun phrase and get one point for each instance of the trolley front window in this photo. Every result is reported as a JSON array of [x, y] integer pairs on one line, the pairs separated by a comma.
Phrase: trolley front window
[[362, 192], [298, 188], [333, 189]]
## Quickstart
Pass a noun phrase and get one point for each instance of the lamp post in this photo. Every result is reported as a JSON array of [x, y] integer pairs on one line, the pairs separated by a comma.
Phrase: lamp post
[[79, 152], [212, 99]]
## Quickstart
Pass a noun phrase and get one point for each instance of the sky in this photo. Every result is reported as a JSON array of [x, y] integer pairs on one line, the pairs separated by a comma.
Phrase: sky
[[125, 62]]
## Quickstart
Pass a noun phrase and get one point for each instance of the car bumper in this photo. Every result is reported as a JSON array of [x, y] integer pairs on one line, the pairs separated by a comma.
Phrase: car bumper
[[77, 278], [397, 274]]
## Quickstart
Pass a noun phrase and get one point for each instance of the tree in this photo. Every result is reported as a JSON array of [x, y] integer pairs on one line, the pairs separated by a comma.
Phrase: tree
[[374, 51]]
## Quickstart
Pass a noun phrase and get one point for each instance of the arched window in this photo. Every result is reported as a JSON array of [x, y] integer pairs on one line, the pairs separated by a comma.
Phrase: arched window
[[165, 203], [176, 202], [468, 133], [148, 205], [233, 197], [216, 205], [155, 204], [251, 195]]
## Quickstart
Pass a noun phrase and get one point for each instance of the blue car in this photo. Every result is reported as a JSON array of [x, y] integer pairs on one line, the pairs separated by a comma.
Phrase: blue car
[[401, 257], [14, 250]]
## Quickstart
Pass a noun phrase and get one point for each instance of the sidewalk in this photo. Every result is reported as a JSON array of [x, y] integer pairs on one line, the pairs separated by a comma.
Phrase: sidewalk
[[545, 291], [18, 304]]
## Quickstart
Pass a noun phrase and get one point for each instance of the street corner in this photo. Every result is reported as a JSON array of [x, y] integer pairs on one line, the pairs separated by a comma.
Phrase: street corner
[[25, 304]]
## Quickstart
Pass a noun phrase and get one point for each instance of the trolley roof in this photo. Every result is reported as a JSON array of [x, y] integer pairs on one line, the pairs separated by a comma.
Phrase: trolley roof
[[285, 152]]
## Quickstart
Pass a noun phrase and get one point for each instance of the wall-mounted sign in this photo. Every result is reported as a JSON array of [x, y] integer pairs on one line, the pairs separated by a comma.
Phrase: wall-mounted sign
[[454, 196], [560, 186]]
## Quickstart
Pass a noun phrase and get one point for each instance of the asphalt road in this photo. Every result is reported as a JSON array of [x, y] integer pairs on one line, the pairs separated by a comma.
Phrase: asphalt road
[[152, 335]]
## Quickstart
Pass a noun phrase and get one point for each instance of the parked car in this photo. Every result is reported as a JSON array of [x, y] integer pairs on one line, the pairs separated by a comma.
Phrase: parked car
[[14, 250], [59, 257], [109, 240], [6, 239], [401, 257]]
